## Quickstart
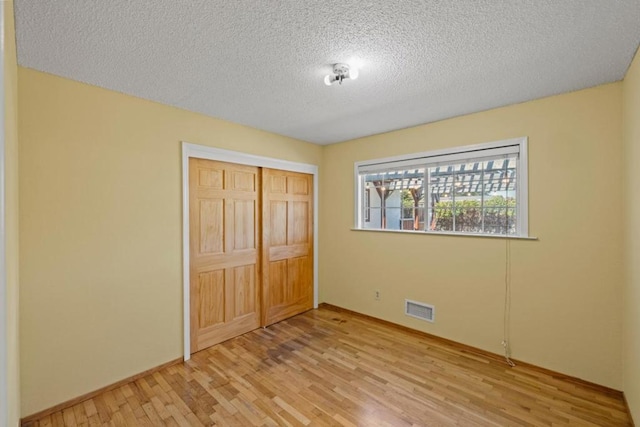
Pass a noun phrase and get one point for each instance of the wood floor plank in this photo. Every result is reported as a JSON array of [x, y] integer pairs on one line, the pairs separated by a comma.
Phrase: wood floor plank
[[334, 368]]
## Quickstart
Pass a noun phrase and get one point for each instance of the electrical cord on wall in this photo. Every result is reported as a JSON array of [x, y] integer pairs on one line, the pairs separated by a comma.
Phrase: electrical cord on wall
[[507, 304]]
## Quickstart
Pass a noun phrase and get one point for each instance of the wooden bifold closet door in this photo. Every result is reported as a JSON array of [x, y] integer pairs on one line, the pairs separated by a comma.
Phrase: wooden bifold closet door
[[251, 248]]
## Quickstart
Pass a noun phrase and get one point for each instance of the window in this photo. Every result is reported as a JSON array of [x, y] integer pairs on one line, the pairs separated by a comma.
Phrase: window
[[478, 190]]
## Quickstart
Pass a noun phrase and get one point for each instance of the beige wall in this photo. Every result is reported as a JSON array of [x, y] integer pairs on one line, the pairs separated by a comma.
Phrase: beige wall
[[631, 141], [11, 162], [567, 286], [100, 241]]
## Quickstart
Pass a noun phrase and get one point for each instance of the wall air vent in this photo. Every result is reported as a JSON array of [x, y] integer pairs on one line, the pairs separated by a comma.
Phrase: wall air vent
[[419, 310]]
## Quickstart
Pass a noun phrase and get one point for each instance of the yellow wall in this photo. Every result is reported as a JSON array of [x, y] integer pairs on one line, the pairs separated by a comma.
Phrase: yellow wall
[[100, 241], [11, 163], [631, 142], [567, 286]]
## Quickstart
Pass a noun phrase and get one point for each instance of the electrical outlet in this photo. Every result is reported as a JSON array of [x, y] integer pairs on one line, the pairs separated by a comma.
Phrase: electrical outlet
[[377, 296]]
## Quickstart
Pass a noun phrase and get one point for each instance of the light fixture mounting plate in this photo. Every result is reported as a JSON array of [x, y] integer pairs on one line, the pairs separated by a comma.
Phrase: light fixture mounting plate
[[341, 69]]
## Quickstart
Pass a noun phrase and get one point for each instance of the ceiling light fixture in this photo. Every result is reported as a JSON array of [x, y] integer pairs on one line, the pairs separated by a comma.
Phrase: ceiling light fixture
[[341, 72]]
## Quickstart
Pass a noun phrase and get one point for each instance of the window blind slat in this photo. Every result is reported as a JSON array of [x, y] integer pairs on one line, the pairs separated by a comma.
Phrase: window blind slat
[[438, 160]]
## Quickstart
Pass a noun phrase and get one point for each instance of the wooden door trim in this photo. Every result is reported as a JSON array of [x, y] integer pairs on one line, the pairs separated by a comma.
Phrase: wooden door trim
[[209, 153]]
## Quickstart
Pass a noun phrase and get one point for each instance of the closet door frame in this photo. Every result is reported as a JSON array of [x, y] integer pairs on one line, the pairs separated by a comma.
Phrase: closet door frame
[[210, 153]]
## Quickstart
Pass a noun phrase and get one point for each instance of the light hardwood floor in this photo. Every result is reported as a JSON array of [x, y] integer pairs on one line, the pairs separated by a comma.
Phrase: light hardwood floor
[[327, 367]]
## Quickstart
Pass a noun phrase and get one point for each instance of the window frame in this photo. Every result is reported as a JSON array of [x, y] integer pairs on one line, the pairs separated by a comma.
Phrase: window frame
[[459, 154]]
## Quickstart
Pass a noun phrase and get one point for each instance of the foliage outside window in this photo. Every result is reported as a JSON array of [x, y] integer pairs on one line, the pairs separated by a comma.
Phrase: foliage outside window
[[468, 190]]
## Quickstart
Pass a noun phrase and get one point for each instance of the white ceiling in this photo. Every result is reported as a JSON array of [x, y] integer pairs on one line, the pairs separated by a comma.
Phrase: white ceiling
[[262, 63]]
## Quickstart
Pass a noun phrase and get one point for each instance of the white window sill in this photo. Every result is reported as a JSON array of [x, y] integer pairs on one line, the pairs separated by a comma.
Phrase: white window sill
[[441, 233]]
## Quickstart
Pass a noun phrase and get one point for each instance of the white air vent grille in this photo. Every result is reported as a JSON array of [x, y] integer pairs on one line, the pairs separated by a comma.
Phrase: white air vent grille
[[419, 310]]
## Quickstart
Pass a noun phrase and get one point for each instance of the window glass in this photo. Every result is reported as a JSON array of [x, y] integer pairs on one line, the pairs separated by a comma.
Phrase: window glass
[[395, 200]]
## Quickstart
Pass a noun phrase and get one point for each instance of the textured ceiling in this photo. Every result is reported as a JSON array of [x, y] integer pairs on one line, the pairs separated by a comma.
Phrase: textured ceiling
[[262, 63]]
